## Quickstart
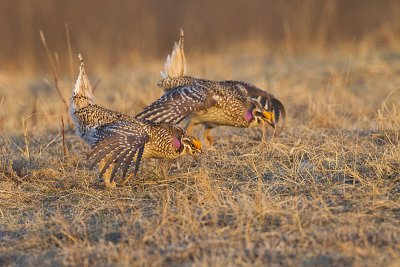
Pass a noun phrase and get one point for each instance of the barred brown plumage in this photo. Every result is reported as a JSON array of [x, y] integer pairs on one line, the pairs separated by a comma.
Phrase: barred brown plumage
[[118, 140], [212, 103]]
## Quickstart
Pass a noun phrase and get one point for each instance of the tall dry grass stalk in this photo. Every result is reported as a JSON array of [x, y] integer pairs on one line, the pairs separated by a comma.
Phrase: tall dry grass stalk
[[71, 65], [55, 67]]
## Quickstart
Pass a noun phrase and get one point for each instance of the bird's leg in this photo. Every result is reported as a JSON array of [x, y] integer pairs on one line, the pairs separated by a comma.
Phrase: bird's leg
[[107, 175], [207, 136], [264, 133], [178, 163], [127, 178], [165, 167]]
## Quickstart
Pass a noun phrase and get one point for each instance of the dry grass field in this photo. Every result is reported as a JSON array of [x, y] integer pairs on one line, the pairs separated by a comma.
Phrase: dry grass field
[[326, 192]]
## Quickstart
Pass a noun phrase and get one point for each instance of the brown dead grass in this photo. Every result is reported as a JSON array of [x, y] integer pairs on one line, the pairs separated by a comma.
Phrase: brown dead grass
[[324, 193]]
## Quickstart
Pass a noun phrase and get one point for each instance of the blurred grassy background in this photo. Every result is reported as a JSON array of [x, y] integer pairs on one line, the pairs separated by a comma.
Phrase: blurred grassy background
[[120, 32]]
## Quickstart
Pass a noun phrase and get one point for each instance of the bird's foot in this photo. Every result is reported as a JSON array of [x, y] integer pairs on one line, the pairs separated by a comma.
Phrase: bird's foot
[[126, 179], [207, 137], [108, 184]]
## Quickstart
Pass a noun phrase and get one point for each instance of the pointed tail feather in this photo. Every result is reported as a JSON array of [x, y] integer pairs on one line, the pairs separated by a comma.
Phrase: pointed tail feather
[[82, 88], [175, 66]]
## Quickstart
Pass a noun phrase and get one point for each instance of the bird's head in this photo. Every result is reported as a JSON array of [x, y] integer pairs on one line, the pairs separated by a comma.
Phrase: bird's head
[[257, 115], [188, 145]]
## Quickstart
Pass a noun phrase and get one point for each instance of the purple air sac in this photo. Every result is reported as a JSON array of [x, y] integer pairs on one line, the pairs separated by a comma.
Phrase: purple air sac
[[248, 116], [177, 143]]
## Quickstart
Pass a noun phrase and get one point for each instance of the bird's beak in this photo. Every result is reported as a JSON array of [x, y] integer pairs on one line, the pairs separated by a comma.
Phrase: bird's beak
[[269, 117], [198, 145]]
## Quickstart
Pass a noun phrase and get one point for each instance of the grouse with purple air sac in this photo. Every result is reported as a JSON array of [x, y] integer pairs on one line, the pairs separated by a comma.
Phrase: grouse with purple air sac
[[230, 103], [118, 141]]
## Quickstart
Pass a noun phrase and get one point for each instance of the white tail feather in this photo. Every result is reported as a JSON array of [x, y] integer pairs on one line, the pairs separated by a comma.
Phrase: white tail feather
[[175, 66], [82, 85]]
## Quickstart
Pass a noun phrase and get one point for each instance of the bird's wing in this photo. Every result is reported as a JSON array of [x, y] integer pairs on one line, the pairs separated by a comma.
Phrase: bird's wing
[[120, 144], [178, 103]]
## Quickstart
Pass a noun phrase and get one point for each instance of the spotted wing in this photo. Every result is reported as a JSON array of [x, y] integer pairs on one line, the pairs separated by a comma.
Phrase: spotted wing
[[120, 144], [178, 103]]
